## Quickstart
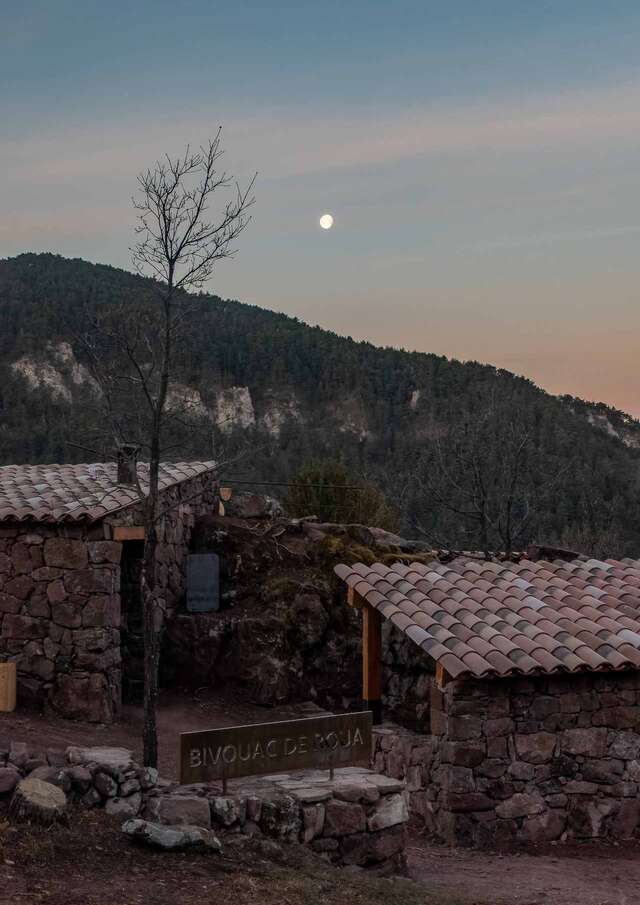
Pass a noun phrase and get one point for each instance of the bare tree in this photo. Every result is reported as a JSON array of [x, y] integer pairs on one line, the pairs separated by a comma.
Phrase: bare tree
[[132, 355], [474, 479]]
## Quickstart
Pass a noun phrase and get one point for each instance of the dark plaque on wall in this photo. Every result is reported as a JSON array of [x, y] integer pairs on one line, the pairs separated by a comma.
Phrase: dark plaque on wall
[[203, 582]]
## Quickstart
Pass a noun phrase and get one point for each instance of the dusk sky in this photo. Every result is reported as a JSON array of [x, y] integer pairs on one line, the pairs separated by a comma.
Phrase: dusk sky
[[481, 161]]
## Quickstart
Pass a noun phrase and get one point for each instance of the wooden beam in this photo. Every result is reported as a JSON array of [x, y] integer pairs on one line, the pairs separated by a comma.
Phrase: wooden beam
[[134, 532], [442, 676], [354, 599], [372, 661]]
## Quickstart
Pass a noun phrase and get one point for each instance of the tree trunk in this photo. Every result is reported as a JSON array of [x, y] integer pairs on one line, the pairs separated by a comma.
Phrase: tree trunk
[[36, 801], [151, 615], [151, 650]]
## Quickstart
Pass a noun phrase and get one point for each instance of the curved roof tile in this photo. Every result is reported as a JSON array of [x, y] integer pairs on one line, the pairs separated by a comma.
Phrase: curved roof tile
[[506, 618], [87, 492]]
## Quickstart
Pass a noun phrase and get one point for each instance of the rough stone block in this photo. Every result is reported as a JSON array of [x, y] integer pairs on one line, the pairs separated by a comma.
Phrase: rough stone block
[[588, 816], [588, 742], [522, 771], [497, 747], [343, 818], [463, 754], [56, 592], [20, 587], [184, 810], [9, 779], [625, 745], [80, 778], [312, 821], [626, 821], [67, 615], [83, 697], [522, 804], [390, 811], [602, 770], [545, 827], [101, 610], [89, 581], [462, 728], [65, 553], [102, 551], [124, 807], [536, 747], [469, 801], [458, 779], [106, 785], [499, 727], [228, 811], [23, 627], [623, 717], [9, 604]]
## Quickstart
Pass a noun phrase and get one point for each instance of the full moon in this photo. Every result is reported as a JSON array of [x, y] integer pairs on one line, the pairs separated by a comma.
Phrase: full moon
[[326, 221]]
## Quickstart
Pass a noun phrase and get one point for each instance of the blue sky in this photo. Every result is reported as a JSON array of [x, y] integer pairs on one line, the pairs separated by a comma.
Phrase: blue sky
[[480, 159]]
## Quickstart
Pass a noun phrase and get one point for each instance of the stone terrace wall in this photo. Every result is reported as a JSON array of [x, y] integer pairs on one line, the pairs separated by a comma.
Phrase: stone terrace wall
[[358, 818], [60, 607], [412, 758], [525, 760]]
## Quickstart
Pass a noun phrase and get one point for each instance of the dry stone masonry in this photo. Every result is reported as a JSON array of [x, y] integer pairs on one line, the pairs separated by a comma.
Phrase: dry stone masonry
[[524, 760], [61, 605], [358, 818]]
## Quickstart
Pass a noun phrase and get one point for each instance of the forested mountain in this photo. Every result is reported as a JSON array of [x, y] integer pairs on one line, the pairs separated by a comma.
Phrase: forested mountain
[[270, 393]]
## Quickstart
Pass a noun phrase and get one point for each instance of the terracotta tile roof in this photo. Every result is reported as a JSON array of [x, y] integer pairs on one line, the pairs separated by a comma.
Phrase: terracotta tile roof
[[64, 493], [506, 618]]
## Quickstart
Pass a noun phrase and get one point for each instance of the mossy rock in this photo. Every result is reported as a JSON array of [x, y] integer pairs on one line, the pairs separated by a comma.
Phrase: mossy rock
[[282, 587], [357, 553], [332, 547], [407, 558]]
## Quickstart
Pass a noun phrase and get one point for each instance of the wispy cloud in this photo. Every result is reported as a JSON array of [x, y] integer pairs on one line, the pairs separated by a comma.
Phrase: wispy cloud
[[291, 143], [552, 238]]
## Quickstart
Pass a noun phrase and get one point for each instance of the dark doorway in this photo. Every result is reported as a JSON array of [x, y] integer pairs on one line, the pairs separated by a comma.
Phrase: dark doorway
[[131, 637]]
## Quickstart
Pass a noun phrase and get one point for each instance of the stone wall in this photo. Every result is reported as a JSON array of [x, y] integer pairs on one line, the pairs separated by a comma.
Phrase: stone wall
[[59, 616], [181, 506], [357, 818], [524, 760], [60, 605]]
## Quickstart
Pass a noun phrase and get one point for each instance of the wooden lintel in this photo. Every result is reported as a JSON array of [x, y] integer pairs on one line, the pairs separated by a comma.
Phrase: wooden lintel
[[442, 676], [354, 599], [372, 661], [134, 532]]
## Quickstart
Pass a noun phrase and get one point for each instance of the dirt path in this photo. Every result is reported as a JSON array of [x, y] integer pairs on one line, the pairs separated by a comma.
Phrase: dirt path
[[177, 712], [560, 875], [566, 875]]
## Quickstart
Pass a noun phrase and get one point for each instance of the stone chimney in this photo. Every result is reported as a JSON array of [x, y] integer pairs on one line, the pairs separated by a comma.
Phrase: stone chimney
[[127, 458]]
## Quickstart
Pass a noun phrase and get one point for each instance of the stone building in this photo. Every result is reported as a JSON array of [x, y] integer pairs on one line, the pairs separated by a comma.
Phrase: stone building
[[529, 712], [71, 544]]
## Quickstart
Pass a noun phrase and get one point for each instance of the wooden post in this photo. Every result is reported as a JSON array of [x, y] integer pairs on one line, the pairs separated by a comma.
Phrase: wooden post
[[442, 676], [372, 662]]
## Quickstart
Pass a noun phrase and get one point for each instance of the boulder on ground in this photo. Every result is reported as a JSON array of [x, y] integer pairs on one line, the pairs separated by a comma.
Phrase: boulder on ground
[[9, 779], [124, 807], [172, 838], [109, 759]]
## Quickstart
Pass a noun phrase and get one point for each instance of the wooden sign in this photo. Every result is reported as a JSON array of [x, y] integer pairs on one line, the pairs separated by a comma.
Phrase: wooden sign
[[203, 582], [321, 742]]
